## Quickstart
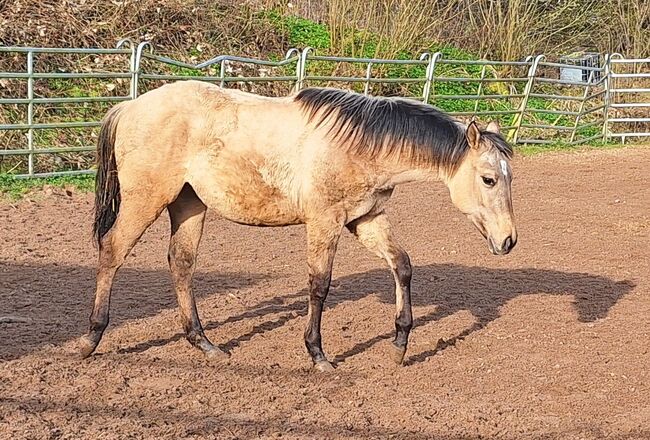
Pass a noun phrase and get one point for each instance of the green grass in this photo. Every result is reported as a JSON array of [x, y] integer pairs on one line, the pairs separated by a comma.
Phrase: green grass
[[13, 188], [184, 71], [301, 32]]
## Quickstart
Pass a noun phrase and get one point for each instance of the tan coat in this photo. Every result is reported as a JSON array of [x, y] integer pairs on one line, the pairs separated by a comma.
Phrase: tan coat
[[326, 159]]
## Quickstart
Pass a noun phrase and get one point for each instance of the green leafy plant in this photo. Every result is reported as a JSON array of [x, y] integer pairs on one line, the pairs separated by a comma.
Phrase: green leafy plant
[[300, 31], [184, 71]]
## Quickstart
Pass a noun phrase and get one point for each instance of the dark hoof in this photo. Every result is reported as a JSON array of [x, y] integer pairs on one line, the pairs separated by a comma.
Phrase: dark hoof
[[397, 354], [323, 366], [87, 346]]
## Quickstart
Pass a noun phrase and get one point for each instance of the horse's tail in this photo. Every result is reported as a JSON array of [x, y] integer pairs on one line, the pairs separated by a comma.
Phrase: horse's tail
[[107, 186]]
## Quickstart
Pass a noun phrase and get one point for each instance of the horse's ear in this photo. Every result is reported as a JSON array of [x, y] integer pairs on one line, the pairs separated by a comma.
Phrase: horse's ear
[[473, 135], [493, 127]]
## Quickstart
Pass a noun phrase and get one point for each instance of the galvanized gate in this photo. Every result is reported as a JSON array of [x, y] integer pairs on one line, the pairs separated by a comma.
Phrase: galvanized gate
[[49, 119]]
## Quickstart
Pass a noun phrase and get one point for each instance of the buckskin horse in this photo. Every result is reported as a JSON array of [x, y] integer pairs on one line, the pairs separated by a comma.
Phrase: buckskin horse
[[325, 158]]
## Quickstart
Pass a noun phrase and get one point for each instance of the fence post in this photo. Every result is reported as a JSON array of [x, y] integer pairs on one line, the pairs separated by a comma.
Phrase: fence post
[[30, 112], [431, 67], [607, 97], [480, 90], [126, 42], [291, 52], [532, 71], [582, 107], [222, 73], [366, 88], [137, 65], [302, 67]]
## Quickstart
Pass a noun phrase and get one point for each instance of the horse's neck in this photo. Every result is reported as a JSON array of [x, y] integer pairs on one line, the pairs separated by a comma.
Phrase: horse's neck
[[398, 174]]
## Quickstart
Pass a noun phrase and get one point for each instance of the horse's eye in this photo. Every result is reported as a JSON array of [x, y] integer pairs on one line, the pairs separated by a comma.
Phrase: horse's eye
[[489, 181]]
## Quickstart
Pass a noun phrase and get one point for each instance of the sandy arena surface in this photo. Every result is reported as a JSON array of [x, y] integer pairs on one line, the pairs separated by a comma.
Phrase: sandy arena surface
[[549, 342]]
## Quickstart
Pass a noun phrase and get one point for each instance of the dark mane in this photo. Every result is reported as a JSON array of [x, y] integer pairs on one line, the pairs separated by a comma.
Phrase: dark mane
[[392, 127]]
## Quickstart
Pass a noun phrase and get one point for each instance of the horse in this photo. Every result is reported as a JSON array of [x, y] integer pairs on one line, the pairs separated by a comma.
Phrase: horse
[[325, 158]]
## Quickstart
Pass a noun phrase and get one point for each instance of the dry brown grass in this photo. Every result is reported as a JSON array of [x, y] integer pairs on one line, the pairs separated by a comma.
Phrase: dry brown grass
[[390, 26], [498, 29], [505, 29], [174, 26], [626, 27], [512, 29]]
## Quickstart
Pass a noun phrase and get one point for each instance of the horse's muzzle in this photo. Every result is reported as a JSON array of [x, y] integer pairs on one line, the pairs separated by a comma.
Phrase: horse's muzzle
[[504, 248]]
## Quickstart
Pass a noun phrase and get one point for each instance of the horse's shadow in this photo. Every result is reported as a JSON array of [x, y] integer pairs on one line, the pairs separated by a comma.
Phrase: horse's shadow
[[52, 301], [451, 288], [483, 292]]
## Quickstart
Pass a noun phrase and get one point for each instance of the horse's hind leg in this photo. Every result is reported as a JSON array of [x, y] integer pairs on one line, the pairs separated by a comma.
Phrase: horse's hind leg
[[134, 217], [187, 214], [373, 231]]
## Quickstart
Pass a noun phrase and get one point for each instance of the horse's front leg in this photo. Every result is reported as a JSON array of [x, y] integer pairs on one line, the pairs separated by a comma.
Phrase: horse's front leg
[[322, 238], [373, 231]]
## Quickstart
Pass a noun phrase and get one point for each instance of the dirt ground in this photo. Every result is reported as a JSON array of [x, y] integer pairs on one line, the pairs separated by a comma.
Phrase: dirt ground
[[549, 342]]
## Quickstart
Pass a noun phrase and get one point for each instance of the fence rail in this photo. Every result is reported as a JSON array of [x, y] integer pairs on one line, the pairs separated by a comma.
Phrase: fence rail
[[531, 103]]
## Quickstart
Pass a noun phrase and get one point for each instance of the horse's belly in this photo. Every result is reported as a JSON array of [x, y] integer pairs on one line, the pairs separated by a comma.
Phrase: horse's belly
[[252, 209], [242, 196], [250, 206]]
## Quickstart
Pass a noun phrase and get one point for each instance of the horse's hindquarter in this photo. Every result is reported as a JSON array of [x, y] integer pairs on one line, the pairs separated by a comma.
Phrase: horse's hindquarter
[[151, 144]]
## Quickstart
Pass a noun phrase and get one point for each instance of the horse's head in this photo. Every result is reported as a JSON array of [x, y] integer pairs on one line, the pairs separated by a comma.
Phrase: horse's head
[[481, 189]]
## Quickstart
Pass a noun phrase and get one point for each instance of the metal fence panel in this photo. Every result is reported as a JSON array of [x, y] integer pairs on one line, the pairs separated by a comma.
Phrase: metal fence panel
[[533, 105], [629, 98]]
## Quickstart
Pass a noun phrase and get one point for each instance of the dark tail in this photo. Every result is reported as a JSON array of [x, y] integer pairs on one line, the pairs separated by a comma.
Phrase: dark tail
[[107, 186]]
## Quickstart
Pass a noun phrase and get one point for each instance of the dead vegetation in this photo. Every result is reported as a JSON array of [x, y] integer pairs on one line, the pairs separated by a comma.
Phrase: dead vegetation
[[175, 26], [500, 29], [497, 29]]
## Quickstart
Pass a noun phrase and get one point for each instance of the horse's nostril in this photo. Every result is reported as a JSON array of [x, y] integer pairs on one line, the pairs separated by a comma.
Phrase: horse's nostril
[[507, 244]]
